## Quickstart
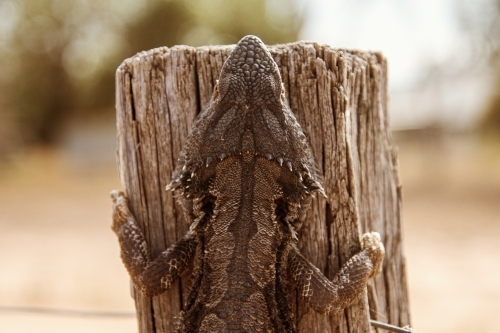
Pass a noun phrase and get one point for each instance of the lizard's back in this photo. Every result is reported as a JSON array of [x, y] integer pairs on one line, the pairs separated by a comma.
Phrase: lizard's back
[[242, 239], [256, 169], [253, 155]]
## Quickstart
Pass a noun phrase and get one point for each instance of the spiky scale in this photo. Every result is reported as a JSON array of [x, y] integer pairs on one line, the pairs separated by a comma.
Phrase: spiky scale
[[174, 184], [193, 172], [299, 175]]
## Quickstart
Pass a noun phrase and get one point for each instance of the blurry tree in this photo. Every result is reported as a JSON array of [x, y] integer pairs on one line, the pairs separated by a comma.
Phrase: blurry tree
[[50, 52], [35, 85], [157, 23], [58, 57]]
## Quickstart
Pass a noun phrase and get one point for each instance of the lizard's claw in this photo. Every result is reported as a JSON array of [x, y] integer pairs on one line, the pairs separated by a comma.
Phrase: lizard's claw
[[120, 209], [371, 243], [116, 195]]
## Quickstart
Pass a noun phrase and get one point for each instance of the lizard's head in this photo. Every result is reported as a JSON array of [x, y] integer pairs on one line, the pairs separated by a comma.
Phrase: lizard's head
[[250, 76], [248, 116]]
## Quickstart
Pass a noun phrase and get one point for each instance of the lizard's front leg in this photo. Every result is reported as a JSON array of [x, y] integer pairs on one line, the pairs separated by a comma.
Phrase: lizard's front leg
[[149, 277], [327, 296]]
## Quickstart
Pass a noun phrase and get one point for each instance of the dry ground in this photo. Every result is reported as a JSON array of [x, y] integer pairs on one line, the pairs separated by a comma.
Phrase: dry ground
[[57, 250]]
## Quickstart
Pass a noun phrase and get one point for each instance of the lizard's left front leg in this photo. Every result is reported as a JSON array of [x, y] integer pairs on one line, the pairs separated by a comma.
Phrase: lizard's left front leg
[[327, 296], [149, 277]]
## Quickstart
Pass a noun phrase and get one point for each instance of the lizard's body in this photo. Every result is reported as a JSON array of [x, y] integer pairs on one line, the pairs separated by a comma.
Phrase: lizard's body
[[238, 286], [247, 175]]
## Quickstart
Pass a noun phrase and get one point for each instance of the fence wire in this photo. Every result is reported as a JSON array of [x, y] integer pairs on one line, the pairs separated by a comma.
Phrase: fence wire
[[66, 312], [129, 315]]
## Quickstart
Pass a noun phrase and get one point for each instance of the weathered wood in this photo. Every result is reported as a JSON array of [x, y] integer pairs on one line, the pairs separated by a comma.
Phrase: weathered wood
[[340, 98]]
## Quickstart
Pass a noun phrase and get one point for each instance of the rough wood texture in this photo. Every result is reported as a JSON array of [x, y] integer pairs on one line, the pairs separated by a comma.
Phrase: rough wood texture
[[340, 99]]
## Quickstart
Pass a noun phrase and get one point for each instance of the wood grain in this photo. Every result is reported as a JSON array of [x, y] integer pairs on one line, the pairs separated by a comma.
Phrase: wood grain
[[340, 99]]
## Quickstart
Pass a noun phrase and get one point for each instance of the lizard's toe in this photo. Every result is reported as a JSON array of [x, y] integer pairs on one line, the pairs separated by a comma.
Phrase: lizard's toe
[[120, 209], [116, 195], [372, 244]]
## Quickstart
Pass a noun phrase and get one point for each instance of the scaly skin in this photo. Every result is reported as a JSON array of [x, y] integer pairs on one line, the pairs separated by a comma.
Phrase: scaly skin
[[247, 176]]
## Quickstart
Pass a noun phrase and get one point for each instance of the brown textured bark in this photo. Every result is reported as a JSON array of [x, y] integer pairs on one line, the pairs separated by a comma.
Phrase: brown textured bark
[[340, 99]]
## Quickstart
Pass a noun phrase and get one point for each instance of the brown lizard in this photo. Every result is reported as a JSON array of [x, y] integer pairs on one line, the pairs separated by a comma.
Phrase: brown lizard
[[246, 177]]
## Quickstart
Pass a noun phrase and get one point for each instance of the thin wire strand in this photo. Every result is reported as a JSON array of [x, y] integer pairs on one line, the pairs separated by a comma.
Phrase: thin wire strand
[[66, 313], [390, 327], [129, 315]]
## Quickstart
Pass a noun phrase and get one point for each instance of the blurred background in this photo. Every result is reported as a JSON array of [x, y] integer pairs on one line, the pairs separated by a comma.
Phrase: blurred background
[[57, 141]]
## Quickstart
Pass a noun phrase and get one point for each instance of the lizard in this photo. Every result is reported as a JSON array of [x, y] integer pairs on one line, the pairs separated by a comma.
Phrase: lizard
[[245, 178]]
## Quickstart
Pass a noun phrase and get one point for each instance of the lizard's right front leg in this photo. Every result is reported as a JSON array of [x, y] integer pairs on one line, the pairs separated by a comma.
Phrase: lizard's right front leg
[[327, 296], [149, 277]]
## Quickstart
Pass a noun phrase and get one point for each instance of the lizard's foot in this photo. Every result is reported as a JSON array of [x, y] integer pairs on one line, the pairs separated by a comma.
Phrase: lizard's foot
[[120, 209], [116, 195], [371, 243]]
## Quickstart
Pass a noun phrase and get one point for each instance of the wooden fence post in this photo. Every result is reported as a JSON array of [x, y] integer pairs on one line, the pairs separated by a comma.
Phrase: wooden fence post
[[340, 99]]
